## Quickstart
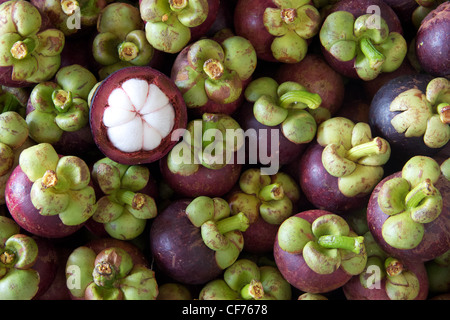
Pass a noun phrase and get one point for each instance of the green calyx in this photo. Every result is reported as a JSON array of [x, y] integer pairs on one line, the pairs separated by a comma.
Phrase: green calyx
[[220, 231], [123, 209], [411, 201], [326, 244], [109, 275], [13, 134], [291, 23], [352, 155], [287, 105], [244, 279], [268, 197], [168, 23], [424, 114], [61, 105], [214, 71], [33, 54], [365, 39], [60, 185], [210, 142]]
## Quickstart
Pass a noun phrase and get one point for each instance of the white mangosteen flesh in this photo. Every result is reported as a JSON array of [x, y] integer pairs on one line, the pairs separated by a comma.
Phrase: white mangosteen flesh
[[138, 116]]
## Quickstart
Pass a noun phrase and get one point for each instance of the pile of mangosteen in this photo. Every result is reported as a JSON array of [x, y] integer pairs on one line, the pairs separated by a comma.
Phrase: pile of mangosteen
[[224, 150]]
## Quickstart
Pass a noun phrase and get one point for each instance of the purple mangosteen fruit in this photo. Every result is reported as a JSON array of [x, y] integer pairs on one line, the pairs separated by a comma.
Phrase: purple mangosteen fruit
[[266, 200], [412, 112], [208, 154], [193, 241], [171, 25], [136, 114], [30, 50], [125, 196], [340, 169], [317, 252], [244, 279], [387, 278], [28, 263], [58, 111], [361, 39], [408, 212], [212, 75], [279, 30], [432, 45], [50, 195], [110, 269]]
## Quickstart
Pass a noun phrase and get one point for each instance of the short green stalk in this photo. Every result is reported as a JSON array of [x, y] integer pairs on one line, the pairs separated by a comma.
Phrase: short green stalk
[[376, 58], [237, 222], [353, 244]]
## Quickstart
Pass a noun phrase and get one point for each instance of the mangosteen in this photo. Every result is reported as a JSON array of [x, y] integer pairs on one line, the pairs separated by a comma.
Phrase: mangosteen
[[409, 213], [340, 169], [266, 200], [58, 111], [136, 115], [110, 269], [193, 241], [317, 252], [387, 278], [171, 25], [28, 263], [212, 75], [120, 41], [361, 42], [412, 113], [432, 45], [125, 200], [30, 51], [279, 31], [50, 195], [244, 279], [207, 155]]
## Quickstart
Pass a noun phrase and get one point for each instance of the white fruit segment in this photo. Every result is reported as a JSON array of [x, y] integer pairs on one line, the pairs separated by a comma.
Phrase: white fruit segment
[[138, 116]]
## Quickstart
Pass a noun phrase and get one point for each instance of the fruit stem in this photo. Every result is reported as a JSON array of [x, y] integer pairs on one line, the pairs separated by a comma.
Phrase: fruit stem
[[272, 191], [104, 274], [177, 5], [419, 192], [135, 200], [7, 257], [252, 290], [376, 146], [210, 121], [21, 49], [353, 244], [376, 58], [69, 7], [443, 110], [288, 15], [62, 100], [51, 180], [213, 68], [237, 222], [128, 51], [393, 266], [311, 100]]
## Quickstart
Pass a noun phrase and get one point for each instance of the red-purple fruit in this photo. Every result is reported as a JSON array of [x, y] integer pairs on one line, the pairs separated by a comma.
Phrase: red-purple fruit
[[316, 251], [136, 114], [409, 211], [432, 45], [192, 242]]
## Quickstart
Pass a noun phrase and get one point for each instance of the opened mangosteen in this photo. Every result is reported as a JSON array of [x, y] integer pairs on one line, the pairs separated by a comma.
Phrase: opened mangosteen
[[316, 251], [30, 50], [266, 200], [50, 195], [58, 111], [110, 269], [171, 25], [136, 114], [28, 264], [279, 30], [409, 212], [212, 75], [125, 196], [360, 41], [193, 241], [412, 113], [387, 278], [341, 168], [244, 279], [206, 162]]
